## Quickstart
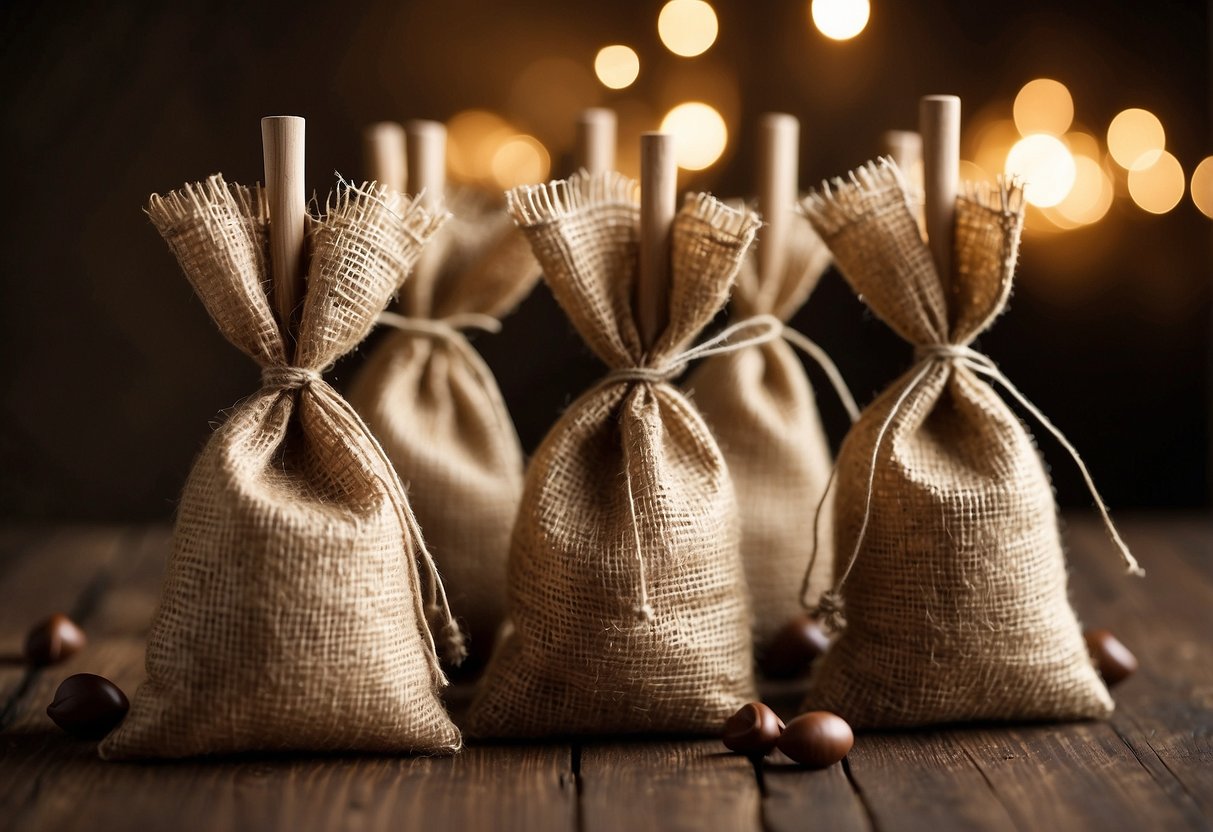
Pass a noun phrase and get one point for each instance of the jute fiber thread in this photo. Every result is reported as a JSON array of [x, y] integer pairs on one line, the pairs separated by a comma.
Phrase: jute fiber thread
[[297, 608], [626, 589], [948, 556], [761, 409], [434, 405]]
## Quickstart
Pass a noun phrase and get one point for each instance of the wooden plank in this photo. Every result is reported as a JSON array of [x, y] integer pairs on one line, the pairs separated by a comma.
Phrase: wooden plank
[[667, 785], [794, 798], [49, 781], [1165, 712], [923, 780], [49, 571]]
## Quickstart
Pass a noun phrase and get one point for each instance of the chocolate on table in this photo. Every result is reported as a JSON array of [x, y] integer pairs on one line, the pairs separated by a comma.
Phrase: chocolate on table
[[1113, 660], [793, 648], [54, 640], [754, 729], [817, 739], [88, 706]]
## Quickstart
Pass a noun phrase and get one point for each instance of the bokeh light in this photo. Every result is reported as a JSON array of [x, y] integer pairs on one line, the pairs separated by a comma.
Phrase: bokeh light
[[520, 160], [1202, 186], [700, 134], [1091, 197], [1136, 138], [1083, 144], [973, 172], [1159, 187], [687, 27], [617, 66], [1046, 167], [1043, 106], [840, 19], [472, 139]]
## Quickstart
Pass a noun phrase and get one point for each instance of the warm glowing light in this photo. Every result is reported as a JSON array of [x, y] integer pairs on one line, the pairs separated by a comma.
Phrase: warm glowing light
[[1136, 139], [1043, 106], [1091, 196], [992, 140], [1046, 167], [617, 66], [1159, 187], [472, 139], [521, 160], [700, 134], [840, 19], [1202, 186], [687, 27], [1083, 144]]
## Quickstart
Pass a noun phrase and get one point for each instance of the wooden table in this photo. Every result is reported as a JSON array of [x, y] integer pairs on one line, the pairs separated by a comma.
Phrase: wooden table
[[1148, 768]]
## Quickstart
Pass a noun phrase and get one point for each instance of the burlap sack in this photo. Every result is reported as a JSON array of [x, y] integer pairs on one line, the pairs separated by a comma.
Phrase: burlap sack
[[626, 590], [761, 409], [434, 405], [292, 615], [948, 555]]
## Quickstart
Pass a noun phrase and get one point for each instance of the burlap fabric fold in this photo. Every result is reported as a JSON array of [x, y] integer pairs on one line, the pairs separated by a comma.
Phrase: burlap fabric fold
[[434, 405], [626, 590], [294, 609], [948, 557], [761, 409]]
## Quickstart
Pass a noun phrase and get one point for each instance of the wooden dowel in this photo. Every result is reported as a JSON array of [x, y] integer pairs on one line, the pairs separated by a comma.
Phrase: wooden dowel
[[596, 131], [658, 204], [778, 172], [905, 146], [939, 124], [427, 161], [282, 150], [383, 154]]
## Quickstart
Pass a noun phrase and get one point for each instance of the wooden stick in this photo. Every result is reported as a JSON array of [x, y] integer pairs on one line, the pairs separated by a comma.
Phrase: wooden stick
[[658, 204], [383, 154], [939, 124], [596, 130], [282, 150], [778, 151], [905, 146], [427, 161]]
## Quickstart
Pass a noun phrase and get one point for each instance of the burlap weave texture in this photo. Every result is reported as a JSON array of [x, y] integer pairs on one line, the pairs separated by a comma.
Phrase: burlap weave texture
[[956, 606], [293, 614], [626, 589], [434, 405]]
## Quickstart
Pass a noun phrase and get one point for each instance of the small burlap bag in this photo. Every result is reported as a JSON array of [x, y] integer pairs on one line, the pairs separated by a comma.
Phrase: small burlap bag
[[434, 405], [292, 615], [761, 409], [949, 559], [626, 590]]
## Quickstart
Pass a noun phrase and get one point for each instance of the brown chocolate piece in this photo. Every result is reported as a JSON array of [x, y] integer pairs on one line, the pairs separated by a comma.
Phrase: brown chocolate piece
[[817, 739], [792, 650], [88, 706], [754, 729], [1113, 660], [53, 640]]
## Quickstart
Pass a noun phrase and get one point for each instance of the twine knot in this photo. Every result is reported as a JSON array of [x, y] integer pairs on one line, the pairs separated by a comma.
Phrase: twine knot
[[831, 610], [947, 352], [280, 377], [441, 329]]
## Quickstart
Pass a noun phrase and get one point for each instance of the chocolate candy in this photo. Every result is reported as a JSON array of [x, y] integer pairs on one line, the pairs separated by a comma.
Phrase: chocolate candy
[[793, 649], [752, 730], [53, 640], [1113, 660], [817, 739], [88, 706]]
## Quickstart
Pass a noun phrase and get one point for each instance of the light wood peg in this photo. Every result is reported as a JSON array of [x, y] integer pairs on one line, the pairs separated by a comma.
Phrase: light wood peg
[[778, 174], [426, 142], [939, 124], [905, 146], [658, 204], [596, 137], [282, 151], [384, 156]]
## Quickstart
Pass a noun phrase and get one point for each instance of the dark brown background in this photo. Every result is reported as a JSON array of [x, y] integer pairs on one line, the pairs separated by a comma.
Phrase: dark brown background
[[113, 374]]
